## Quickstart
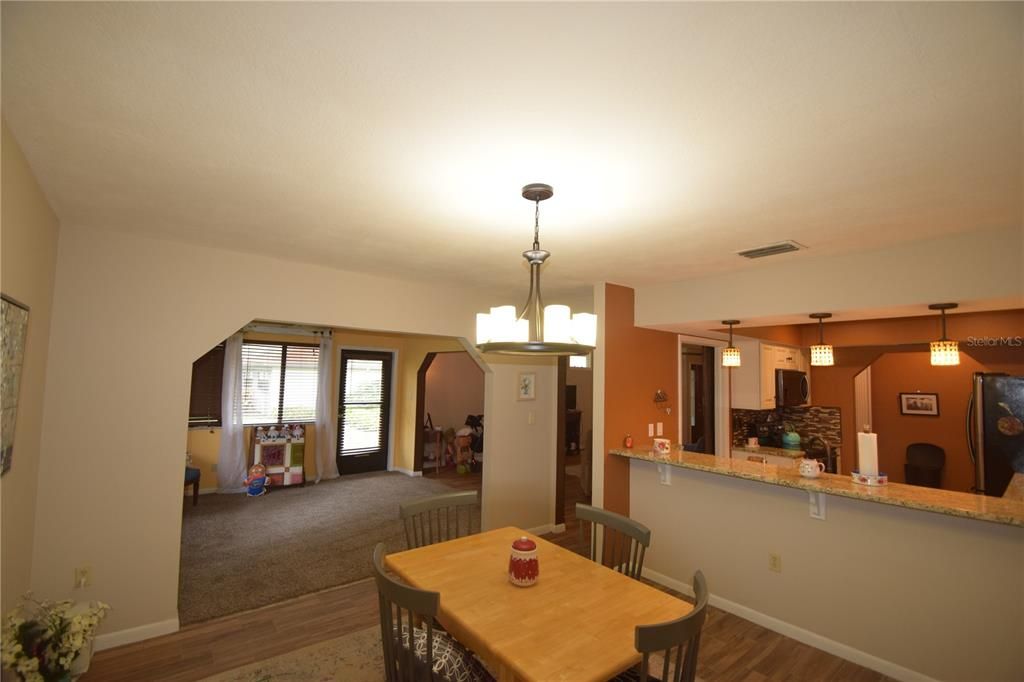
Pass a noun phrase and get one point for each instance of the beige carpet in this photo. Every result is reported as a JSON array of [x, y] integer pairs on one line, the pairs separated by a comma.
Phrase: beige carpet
[[353, 658], [240, 553]]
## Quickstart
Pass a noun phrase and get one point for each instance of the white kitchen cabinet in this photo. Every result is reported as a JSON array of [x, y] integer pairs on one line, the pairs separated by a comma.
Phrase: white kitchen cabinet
[[753, 382]]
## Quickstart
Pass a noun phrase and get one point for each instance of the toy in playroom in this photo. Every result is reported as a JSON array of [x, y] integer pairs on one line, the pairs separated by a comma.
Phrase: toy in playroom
[[256, 483]]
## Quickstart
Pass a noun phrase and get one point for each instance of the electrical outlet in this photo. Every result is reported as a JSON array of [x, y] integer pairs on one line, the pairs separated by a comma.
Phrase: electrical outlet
[[83, 576], [775, 562], [650, 430], [661, 429], [531, 418]]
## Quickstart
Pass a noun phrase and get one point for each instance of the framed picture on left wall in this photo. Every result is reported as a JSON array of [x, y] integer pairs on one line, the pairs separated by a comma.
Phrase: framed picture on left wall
[[527, 389], [14, 316]]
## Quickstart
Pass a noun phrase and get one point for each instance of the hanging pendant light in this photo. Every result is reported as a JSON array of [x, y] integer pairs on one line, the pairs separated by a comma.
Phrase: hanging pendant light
[[538, 330], [945, 353], [822, 354], [730, 354]]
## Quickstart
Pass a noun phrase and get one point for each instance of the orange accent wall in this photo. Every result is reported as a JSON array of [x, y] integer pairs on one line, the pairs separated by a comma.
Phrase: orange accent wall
[[638, 362]]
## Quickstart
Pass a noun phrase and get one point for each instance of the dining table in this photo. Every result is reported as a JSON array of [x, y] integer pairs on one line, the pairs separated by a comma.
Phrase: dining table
[[577, 622]]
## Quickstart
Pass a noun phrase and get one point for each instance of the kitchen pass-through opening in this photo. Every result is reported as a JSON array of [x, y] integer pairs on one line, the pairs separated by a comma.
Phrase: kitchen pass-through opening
[[697, 398]]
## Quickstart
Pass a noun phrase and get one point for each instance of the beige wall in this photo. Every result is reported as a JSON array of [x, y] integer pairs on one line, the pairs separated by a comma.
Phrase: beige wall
[[454, 389], [934, 594], [29, 258], [115, 502], [519, 447]]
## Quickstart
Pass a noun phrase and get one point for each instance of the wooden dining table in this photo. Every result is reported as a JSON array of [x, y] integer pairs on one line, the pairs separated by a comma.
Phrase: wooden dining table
[[576, 623]]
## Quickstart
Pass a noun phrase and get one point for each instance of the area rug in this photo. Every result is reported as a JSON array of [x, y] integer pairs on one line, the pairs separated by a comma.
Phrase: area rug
[[355, 657], [240, 553]]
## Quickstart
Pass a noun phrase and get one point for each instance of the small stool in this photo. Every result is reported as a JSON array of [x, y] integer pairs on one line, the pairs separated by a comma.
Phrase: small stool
[[192, 477]]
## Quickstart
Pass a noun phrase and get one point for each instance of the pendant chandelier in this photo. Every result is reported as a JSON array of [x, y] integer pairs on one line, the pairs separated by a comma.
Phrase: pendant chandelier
[[822, 354], [945, 353], [539, 329], [730, 354]]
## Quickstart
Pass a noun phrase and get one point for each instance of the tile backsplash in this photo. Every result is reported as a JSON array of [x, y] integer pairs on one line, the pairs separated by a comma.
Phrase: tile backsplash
[[808, 421]]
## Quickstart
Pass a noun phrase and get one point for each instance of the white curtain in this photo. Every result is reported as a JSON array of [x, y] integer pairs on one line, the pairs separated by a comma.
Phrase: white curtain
[[231, 458], [326, 463]]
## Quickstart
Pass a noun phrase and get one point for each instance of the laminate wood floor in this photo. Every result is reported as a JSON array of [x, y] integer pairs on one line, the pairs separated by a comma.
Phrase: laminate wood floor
[[732, 649]]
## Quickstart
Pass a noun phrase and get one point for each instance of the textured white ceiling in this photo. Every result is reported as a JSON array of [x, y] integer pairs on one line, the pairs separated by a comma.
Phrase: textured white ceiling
[[394, 138]]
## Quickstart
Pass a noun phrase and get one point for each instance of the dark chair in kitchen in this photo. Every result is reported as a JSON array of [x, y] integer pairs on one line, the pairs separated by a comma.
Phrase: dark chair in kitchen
[[438, 518], [624, 540], [670, 649], [413, 649], [924, 465]]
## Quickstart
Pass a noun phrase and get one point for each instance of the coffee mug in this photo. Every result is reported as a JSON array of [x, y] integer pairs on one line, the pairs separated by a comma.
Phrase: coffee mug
[[811, 468], [662, 446], [752, 442]]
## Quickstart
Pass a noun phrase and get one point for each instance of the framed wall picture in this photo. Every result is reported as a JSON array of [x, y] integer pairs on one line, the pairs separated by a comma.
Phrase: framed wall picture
[[919, 404], [14, 318], [527, 388]]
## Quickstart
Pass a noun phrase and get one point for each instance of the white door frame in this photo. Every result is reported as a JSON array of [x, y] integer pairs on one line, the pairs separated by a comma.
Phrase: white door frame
[[391, 399], [723, 439]]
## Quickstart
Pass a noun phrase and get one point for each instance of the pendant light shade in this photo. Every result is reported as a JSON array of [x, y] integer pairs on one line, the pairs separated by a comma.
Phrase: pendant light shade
[[539, 329], [944, 352], [730, 354], [822, 354]]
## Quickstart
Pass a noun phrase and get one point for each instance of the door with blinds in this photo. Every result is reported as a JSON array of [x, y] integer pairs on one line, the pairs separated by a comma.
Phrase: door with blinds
[[364, 410]]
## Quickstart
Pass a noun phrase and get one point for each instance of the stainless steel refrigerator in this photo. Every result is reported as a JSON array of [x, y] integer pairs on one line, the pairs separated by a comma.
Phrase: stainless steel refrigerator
[[995, 431]]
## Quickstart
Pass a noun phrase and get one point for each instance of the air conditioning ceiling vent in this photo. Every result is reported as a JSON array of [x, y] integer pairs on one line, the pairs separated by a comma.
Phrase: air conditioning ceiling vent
[[772, 249]]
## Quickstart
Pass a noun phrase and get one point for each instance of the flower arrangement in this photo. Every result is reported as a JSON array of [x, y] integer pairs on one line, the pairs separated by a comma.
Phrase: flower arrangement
[[41, 639]]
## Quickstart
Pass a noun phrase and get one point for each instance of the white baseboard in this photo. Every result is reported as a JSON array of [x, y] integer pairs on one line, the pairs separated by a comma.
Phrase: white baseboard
[[407, 472], [136, 634], [893, 670]]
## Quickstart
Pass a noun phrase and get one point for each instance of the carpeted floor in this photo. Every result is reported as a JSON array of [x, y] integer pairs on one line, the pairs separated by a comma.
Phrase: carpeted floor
[[240, 553]]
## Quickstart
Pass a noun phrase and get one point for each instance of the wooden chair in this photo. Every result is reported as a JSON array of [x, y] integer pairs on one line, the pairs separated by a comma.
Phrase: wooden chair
[[192, 476], [675, 642], [438, 518], [413, 649], [625, 540]]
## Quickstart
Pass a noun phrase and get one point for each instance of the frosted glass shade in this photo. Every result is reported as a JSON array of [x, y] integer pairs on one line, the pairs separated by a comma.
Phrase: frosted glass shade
[[822, 355], [557, 324], [584, 328], [945, 353], [730, 357], [483, 328]]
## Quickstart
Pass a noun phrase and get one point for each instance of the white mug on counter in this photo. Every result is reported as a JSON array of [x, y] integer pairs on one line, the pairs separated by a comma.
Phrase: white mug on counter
[[811, 468], [662, 446], [752, 442]]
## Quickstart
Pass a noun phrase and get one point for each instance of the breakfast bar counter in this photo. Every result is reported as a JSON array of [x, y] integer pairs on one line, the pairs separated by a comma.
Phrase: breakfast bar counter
[[1006, 511]]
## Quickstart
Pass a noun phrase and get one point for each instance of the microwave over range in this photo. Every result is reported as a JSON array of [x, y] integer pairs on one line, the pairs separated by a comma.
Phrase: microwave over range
[[791, 388]]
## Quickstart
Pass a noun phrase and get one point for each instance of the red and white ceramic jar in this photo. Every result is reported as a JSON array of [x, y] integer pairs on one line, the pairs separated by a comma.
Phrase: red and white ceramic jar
[[523, 568]]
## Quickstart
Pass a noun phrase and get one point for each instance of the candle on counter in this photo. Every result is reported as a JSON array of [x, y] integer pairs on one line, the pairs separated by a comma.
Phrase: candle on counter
[[867, 453]]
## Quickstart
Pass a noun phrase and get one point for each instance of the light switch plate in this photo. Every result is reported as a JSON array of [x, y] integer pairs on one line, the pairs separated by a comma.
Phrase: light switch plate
[[661, 429], [650, 430]]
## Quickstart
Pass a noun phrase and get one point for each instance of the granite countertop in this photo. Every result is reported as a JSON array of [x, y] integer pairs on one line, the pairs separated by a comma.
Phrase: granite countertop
[[768, 450], [1006, 510]]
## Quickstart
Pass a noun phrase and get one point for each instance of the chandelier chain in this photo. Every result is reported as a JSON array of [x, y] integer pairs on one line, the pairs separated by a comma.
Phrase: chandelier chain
[[536, 225]]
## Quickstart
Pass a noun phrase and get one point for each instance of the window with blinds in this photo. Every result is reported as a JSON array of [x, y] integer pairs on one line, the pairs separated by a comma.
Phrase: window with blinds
[[204, 398], [279, 382]]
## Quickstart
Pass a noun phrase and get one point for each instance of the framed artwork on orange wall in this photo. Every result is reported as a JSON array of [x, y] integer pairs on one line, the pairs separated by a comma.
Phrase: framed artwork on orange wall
[[919, 404]]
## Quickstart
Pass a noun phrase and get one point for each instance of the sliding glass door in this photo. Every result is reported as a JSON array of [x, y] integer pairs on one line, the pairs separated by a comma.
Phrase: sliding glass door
[[364, 410]]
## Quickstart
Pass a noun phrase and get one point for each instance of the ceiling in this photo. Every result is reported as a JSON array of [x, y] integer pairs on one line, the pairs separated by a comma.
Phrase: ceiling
[[394, 138]]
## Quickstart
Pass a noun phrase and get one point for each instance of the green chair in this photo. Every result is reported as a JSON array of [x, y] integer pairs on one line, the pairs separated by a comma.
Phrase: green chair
[[413, 649], [625, 541], [676, 643], [438, 518]]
